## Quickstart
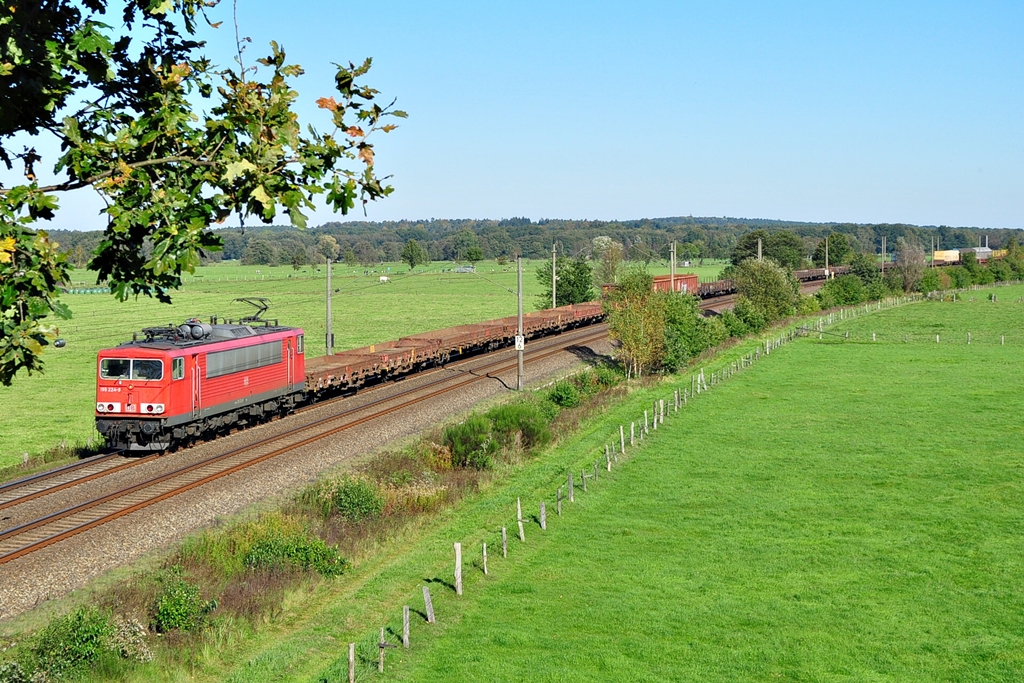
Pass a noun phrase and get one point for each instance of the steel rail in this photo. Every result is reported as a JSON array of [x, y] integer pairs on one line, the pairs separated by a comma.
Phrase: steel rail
[[49, 474], [505, 366]]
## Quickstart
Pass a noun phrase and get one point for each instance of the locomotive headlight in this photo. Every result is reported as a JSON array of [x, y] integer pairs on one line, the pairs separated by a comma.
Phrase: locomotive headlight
[[108, 407], [153, 408], [101, 408]]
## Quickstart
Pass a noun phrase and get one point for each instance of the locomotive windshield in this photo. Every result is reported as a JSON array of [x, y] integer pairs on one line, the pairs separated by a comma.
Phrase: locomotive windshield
[[123, 368]]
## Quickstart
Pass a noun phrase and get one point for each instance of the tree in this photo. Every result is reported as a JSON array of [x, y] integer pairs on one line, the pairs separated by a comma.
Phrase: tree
[[171, 142], [687, 332], [766, 291], [636, 319], [909, 263], [299, 258], [609, 259], [366, 254], [574, 282], [474, 254], [327, 247], [350, 257], [783, 247], [839, 250], [462, 242], [866, 268], [259, 253], [414, 254]]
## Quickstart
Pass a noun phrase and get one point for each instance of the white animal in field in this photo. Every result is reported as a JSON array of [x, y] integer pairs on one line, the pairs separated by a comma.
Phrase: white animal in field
[[385, 278]]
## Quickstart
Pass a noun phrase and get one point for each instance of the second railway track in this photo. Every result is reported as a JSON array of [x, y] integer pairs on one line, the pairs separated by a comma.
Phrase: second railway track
[[45, 530]]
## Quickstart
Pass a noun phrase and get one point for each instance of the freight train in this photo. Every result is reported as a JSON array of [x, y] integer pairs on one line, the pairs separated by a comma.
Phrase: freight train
[[711, 290], [182, 383]]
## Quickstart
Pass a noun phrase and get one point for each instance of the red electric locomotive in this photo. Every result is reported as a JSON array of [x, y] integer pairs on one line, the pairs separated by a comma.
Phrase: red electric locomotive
[[197, 379]]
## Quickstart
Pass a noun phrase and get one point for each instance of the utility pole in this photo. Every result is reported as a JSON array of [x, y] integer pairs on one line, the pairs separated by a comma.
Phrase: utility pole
[[330, 334], [554, 277], [672, 270], [520, 340], [826, 257], [883, 254], [758, 248]]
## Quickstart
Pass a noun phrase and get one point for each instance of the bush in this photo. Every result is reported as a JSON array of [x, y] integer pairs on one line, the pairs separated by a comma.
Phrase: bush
[[565, 394], [180, 607], [607, 376], [751, 316], [70, 643], [349, 497], [522, 418], [302, 552], [733, 325], [470, 442], [845, 290], [877, 290]]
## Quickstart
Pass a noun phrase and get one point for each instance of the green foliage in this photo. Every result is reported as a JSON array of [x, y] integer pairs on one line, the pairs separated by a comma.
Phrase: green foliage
[[414, 254], [866, 268], [301, 551], [171, 142], [734, 326], [470, 442], [782, 246], [767, 292], [565, 394], [636, 319], [31, 270], [179, 606], [70, 643], [350, 497], [844, 290], [930, 280], [523, 418], [687, 332], [839, 250], [575, 282]]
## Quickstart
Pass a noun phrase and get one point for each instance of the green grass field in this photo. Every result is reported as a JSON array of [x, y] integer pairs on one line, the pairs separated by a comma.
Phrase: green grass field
[[37, 412], [845, 511]]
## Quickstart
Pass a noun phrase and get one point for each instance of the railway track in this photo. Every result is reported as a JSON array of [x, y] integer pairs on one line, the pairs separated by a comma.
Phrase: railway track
[[38, 533]]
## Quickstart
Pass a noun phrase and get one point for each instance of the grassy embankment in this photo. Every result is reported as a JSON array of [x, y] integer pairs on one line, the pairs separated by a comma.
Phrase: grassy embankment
[[38, 412], [845, 510]]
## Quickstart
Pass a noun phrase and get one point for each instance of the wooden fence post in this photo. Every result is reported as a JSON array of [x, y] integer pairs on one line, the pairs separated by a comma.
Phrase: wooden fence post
[[519, 519], [646, 423], [595, 471], [429, 605], [583, 479], [622, 439], [543, 516], [458, 569], [504, 542], [632, 433], [485, 558], [351, 663], [559, 501], [608, 458], [381, 646], [661, 409], [655, 410], [405, 627], [572, 490]]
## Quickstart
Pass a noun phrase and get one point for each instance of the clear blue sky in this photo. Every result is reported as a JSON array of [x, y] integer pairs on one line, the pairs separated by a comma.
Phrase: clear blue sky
[[826, 111]]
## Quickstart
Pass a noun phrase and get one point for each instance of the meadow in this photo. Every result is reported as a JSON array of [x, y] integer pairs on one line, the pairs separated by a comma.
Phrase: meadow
[[845, 510], [39, 412]]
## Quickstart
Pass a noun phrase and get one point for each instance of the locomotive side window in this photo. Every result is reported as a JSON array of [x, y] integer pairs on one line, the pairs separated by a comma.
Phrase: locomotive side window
[[300, 345], [177, 368], [115, 368], [248, 358], [146, 369]]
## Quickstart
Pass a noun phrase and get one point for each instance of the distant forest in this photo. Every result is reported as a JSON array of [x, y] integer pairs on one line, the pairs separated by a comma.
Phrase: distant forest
[[454, 240]]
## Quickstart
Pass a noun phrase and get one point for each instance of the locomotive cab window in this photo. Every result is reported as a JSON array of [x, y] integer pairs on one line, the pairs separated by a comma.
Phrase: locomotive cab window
[[300, 344], [177, 368], [146, 369], [115, 368]]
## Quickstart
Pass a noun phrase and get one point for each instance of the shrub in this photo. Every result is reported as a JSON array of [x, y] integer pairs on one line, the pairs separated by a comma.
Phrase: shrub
[[353, 498], [750, 314], [733, 325], [12, 672], [302, 552], [180, 607], [70, 643], [470, 442], [565, 394], [607, 376], [845, 290], [522, 418]]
